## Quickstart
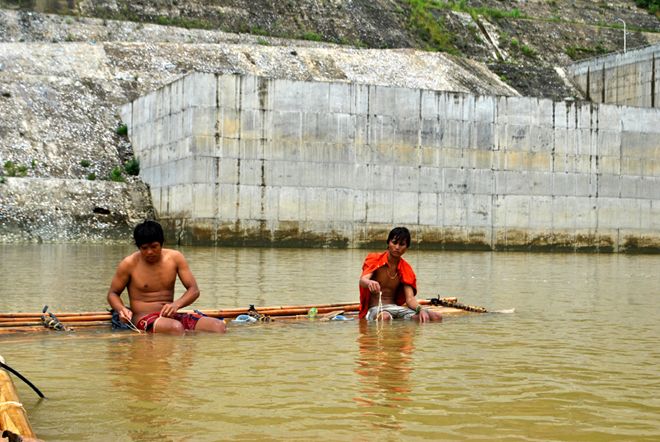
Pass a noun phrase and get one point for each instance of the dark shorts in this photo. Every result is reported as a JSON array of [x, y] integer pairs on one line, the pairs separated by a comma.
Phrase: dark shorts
[[188, 321]]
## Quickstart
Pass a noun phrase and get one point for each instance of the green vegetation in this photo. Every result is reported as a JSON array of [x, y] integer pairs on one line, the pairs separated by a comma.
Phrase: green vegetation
[[580, 52], [15, 170], [91, 176], [263, 42], [429, 28], [256, 30], [528, 52], [428, 24], [116, 175], [496, 13], [122, 130], [132, 167], [85, 163], [652, 5], [311, 36]]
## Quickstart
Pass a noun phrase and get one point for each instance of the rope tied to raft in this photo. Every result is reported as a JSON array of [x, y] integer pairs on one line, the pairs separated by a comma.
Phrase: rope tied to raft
[[7, 404], [49, 320], [252, 312]]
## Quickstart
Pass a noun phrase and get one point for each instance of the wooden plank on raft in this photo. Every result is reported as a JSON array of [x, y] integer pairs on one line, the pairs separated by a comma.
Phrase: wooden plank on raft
[[13, 417]]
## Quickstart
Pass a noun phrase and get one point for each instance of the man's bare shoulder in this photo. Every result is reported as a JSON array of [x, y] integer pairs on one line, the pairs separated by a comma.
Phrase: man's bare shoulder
[[130, 260], [171, 253], [174, 255]]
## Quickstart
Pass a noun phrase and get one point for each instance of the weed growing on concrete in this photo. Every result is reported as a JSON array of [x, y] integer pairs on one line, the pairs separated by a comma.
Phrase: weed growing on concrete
[[132, 167], [122, 130], [85, 163], [91, 176]]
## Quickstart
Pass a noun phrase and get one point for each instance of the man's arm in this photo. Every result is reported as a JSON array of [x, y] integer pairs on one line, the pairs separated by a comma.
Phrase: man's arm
[[117, 286], [368, 283], [413, 304], [188, 280]]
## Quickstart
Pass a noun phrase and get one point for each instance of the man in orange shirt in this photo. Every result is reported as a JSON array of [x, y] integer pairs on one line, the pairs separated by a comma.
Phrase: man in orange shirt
[[388, 284]]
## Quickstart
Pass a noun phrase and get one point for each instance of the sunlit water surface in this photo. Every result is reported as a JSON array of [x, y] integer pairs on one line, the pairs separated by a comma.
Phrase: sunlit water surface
[[579, 360]]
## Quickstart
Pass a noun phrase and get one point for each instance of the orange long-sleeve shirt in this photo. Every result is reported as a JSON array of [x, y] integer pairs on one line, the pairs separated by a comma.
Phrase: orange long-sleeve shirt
[[374, 261]]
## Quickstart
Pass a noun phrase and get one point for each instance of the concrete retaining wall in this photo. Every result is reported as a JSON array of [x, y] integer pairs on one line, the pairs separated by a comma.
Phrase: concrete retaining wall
[[245, 160], [629, 78]]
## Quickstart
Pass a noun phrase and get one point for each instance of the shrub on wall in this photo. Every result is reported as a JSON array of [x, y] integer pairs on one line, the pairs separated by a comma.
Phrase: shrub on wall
[[132, 167]]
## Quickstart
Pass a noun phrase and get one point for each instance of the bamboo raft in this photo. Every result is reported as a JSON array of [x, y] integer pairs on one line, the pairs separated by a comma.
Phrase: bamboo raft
[[14, 424], [64, 321]]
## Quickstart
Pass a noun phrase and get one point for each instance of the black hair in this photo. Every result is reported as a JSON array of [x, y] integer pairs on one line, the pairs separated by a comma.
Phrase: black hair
[[400, 234], [148, 232]]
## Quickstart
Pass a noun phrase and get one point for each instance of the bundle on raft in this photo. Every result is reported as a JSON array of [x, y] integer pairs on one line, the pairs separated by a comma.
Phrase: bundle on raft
[[67, 321]]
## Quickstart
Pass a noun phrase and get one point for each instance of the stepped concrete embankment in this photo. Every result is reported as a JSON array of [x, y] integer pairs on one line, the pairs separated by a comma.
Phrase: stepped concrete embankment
[[255, 161], [628, 78]]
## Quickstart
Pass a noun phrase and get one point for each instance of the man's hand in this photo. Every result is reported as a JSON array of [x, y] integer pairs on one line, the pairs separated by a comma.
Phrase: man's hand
[[169, 310], [424, 316], [373, 286], [125, 314]]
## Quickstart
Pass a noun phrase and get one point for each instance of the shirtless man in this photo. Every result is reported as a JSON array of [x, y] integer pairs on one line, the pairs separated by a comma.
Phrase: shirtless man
[[388, 284], [150, 275]]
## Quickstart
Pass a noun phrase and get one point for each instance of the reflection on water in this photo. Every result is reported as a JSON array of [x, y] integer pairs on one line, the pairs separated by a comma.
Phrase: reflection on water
[[145, 372], [384, 364], [578, 360]]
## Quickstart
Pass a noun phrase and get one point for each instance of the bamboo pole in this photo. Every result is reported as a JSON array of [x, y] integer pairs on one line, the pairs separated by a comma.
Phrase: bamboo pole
[[15, 320], [62, 319], [95, 316], [13, 416]]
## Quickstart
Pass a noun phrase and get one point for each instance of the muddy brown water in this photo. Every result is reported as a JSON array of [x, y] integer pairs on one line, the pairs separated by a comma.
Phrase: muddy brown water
[[578, 360]]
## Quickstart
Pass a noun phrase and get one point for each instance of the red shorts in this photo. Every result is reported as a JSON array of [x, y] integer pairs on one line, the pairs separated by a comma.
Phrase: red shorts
[[188, 321]]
